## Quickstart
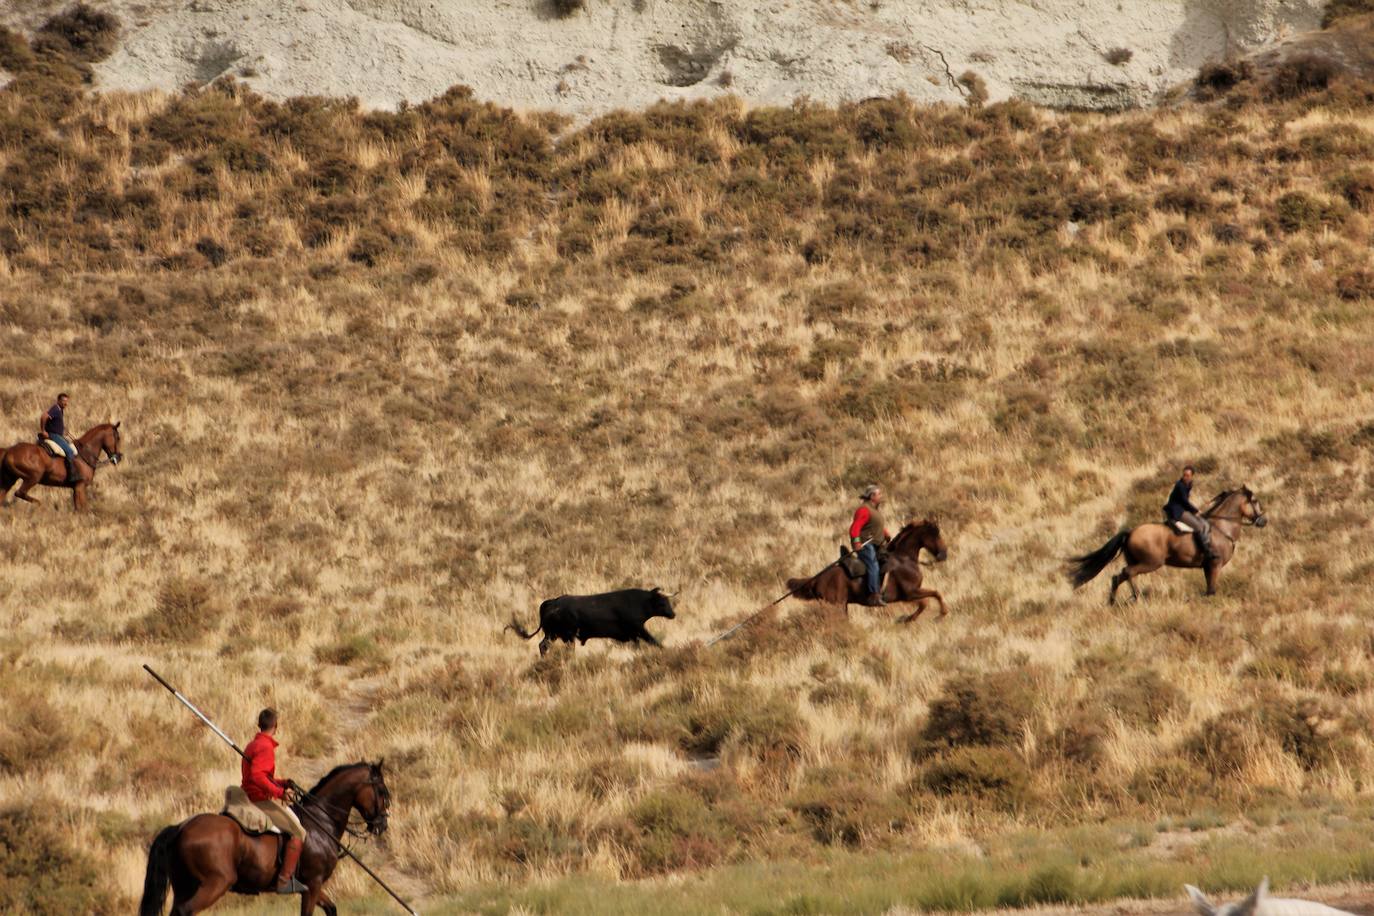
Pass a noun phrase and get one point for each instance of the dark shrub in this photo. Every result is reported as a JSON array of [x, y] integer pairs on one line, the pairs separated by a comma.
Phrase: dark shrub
[[1340, 9], [836, 301], [82, 33], [41, 872], [1357, 187], [1297, 212], [975, 89], [1220, 78], [1308, 728], [1079, 740], [845, 809], [991, 774], [1220, 745], [988, 709], [1301, 74], [15, 54], [1144, 698], [212, 251], [1356, 285], [676, 831], [185, 611], [1172, 779], [566, 8], [33, 732], [1118, 56]]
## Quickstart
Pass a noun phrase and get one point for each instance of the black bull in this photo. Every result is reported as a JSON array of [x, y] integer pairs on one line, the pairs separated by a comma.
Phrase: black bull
[[614, 615]]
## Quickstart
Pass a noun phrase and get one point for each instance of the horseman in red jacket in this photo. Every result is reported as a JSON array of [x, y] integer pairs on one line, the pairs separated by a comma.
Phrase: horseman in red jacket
[[869, 529], [270, 795]]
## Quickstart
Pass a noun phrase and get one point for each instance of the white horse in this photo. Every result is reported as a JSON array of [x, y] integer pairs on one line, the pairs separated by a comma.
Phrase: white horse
[[1261, 904]]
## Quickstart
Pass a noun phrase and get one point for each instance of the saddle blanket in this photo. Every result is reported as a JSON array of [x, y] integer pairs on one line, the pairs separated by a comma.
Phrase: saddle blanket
[[54, 448], [1181, 528], [238, 806]]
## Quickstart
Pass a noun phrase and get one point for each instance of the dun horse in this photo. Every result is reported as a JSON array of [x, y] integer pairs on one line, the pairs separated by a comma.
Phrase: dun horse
[[1153, 545], [209, 855], [902, 582], [34, 464]]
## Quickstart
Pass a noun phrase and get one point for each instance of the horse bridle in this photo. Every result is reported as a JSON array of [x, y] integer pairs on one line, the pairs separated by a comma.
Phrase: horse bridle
[[1244, 521], [376, 824]]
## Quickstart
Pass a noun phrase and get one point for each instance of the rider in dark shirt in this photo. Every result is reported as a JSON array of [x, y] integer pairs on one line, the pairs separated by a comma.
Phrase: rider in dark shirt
[[53, 425], [1180, 508]]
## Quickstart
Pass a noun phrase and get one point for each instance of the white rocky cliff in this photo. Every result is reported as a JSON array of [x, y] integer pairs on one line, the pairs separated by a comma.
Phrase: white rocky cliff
[[629, 53]]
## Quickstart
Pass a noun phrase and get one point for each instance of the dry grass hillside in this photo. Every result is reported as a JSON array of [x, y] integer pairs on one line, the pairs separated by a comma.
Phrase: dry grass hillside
[[388, 378]]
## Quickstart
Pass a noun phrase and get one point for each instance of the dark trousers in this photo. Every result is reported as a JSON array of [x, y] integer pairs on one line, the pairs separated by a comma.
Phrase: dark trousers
[[870, 557]]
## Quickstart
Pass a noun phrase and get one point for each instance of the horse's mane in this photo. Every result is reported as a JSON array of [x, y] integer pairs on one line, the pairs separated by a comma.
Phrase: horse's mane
[[1221, 497], [335, 772], [910, 529]]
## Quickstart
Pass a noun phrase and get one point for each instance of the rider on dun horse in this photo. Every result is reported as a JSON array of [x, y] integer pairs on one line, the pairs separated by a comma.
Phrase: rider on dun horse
[[1150, 546]]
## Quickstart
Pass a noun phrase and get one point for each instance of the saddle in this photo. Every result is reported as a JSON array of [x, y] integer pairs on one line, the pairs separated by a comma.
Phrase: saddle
[[53, 448], [239, 809], [1180, 528], [854, 567]]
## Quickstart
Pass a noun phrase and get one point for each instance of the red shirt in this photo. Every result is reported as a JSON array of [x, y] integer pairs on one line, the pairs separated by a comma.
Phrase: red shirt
[[860, 519], [259, 764]]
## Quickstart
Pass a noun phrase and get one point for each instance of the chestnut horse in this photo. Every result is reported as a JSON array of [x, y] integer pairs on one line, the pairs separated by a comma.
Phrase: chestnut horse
[[1150, 546], [34, 464], [209, 855], [901, 582]]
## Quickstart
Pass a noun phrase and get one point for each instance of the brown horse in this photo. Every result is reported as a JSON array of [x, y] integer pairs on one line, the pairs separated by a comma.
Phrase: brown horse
[[902, 582], [1153, 545], [209, 855], [34, 464]]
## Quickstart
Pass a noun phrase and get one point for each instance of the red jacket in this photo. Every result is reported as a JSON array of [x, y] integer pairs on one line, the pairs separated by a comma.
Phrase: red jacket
[[259, 764]]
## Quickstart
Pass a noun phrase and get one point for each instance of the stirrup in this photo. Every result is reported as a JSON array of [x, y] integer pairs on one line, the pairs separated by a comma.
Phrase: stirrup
[[293, 886]]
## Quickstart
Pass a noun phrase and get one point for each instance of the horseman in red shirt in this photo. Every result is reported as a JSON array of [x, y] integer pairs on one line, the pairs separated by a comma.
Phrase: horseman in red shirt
[[868, 526], [270, 795]]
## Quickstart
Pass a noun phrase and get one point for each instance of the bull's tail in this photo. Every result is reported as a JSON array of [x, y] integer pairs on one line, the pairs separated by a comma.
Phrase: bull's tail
[[1084, 569], [159, 874], [520, 631]]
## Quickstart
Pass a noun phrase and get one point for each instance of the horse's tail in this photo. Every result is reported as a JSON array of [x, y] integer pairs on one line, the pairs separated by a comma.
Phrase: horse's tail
[[520, 631], [1084, 569], [159, 874], [805, 589]]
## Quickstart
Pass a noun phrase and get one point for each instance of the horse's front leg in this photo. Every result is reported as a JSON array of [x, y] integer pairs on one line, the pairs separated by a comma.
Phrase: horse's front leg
[[327, 904], [79, 502], [1211, 569], [314, 896]]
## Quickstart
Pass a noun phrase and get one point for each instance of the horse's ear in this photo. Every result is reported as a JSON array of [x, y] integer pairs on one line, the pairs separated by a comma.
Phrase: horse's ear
[[117, 422], [380, 761]]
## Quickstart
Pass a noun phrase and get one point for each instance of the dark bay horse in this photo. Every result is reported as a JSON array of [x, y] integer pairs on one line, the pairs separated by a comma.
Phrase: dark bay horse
[[902, 582], [34, 464], [209, 855], [1150, 546]]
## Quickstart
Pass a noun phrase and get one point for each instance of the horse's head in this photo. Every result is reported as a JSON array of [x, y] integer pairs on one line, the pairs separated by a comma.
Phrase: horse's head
[[1238, 505], [107, 441], [1251, 509], [923, 535], [373, 799]]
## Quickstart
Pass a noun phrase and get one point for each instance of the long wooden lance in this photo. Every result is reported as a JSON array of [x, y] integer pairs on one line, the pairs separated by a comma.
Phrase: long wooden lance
[[778, 600], [344, 850]]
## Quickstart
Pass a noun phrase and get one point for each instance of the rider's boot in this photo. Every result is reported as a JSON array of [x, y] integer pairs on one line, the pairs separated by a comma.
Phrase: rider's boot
[[73, 475], [286, 880], [1209, 556], [875, 599]]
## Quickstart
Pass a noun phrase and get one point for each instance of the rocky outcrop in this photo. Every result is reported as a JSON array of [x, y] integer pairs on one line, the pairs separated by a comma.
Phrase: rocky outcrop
[[629, 53]]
